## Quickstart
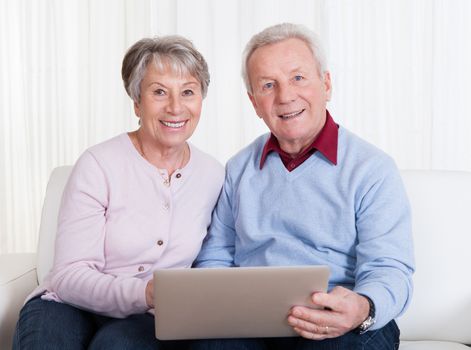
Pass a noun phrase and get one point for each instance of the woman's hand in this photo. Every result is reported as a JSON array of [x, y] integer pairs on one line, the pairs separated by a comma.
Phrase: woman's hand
[[150, 293]]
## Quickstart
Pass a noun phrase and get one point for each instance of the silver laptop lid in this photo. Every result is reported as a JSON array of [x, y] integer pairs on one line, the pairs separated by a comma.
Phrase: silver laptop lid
[[232, 302]]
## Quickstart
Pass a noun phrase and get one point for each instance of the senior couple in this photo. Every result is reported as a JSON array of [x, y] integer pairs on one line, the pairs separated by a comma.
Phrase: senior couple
[[308, 193]]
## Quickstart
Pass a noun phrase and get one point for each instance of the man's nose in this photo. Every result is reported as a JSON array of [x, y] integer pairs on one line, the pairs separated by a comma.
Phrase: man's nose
[[285, 93]]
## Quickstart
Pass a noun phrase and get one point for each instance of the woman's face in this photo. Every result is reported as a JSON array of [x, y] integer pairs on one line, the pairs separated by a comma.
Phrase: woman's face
[[170, 106]]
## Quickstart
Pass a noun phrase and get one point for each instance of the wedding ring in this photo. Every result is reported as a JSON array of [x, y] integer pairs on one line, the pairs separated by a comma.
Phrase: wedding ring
[[326, 329]]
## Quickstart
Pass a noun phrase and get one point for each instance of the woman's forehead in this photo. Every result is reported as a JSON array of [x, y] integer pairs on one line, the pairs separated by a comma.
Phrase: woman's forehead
[[171, 66]]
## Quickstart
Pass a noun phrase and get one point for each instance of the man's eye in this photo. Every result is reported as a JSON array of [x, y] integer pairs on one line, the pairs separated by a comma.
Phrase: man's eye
[[298, 77], [159, 92], [268, 85], [188, 92]]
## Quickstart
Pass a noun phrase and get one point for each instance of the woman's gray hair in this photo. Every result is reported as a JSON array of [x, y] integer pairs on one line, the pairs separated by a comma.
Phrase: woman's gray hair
[[172, 51], [280, 32]]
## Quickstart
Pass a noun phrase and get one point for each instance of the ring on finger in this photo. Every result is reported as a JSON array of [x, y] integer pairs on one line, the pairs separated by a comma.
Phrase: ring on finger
[[326, 329]]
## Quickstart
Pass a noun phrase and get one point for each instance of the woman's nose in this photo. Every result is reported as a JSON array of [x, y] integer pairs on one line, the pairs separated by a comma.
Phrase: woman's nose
[[175, 106]]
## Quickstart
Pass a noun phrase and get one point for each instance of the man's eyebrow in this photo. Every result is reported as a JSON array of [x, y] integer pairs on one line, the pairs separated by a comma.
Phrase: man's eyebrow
[[265, 78], [297, 69]]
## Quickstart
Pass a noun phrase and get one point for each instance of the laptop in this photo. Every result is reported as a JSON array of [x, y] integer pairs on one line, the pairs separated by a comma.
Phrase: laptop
[[237, 302]]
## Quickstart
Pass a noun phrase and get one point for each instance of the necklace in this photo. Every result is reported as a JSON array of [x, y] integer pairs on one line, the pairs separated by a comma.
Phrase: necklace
[[166, 176]]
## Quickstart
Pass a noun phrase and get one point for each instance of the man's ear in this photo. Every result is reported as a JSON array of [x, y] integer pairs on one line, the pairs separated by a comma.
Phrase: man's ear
[[327, 85], [254, 103], [252, 99]]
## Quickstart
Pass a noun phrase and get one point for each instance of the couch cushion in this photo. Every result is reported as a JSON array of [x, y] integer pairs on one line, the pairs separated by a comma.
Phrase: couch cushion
[[17, 279], [431, 345]]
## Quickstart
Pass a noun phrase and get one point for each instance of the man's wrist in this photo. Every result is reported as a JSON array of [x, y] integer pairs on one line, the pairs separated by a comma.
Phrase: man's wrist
[[370, 319]]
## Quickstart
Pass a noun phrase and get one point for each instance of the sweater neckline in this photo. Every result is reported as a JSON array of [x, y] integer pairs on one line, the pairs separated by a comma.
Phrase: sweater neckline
[[151, 168], [279, 168], [274, 163]]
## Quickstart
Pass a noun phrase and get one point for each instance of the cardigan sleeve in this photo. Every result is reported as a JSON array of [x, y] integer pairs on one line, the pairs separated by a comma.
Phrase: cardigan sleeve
[[80, 256]]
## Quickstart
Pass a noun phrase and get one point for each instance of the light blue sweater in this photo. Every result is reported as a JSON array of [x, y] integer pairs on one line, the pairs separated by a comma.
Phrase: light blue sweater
[[353, 217]]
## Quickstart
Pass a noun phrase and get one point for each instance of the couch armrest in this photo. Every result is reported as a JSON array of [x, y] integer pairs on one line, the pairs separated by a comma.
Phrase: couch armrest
[[18, 278], [441, 305]]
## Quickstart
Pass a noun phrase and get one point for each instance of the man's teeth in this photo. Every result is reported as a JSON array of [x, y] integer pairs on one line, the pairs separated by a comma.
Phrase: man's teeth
[[291, 115], [173, 125]]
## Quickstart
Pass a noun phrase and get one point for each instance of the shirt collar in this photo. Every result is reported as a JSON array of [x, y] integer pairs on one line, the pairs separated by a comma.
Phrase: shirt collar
[[326, 142]]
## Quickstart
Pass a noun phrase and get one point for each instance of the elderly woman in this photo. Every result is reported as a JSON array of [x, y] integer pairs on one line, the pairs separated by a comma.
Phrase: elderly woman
[[137, 202]]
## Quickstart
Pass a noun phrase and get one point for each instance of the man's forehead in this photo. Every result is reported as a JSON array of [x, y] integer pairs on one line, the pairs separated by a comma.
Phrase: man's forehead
[[291, 43], [291, 54]]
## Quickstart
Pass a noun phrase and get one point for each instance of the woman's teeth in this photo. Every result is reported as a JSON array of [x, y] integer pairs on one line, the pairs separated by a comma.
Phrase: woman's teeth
[[173, 125]]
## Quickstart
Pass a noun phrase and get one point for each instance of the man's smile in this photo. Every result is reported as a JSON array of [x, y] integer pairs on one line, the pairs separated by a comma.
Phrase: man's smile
[[291, 115]]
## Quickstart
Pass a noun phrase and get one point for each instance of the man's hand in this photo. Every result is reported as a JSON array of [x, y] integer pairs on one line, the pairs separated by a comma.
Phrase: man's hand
[[344, 310], [150, 293]]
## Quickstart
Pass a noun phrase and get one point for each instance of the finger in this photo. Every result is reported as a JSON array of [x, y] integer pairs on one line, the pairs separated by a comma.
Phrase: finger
[[331, 301], [313, 315], [311, 327], [330, 325], [304, 325], [305, 313], [317, 296], [311, 335]]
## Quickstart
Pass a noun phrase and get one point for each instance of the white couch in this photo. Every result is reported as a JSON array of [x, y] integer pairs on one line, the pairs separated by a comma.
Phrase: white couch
[[439, 317]]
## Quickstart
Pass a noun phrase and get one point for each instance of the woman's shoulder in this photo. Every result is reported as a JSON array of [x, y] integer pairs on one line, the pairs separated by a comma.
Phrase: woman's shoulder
[[115, 144], [107, 155], [111, 150], [206, 163], [203, 157]]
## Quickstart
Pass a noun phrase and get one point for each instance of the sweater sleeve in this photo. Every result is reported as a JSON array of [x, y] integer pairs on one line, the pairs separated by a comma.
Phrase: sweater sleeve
[[384, 252], [219, 245], [80, 256]]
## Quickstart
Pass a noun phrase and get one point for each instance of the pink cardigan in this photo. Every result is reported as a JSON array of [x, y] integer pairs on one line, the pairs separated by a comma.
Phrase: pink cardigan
[[119, 221]]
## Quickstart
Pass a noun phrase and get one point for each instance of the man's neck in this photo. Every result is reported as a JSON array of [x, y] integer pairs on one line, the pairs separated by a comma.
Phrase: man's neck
[[296, 147]]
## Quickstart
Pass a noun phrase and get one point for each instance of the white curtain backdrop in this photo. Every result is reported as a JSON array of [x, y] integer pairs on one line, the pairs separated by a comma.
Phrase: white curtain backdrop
[[401, 79]]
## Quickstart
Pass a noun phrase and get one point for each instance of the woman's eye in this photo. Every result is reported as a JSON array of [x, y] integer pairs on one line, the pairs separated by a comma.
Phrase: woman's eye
[[159, 92], [188, 92]]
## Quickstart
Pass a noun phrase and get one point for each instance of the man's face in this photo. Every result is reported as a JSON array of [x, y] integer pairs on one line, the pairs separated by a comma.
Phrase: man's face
[[288, 92]]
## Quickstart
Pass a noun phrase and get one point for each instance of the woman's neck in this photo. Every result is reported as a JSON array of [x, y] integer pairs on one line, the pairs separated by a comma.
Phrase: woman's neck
[[168, 158]]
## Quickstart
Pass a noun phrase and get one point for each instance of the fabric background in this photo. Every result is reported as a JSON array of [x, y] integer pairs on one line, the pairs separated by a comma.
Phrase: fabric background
[[400, 70]]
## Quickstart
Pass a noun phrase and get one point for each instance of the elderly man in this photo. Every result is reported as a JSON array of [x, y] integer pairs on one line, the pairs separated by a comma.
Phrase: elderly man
[[313, 193]]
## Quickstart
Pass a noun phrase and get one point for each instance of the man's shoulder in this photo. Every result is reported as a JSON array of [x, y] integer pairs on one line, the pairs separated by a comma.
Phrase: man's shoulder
[[249, 155], [363, 162], [354, 147]]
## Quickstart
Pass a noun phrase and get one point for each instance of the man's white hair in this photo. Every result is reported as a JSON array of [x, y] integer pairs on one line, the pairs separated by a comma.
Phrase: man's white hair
[[280, 32]]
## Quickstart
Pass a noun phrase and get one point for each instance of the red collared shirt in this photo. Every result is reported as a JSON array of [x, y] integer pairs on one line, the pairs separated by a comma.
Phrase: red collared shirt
[[325, 142]]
